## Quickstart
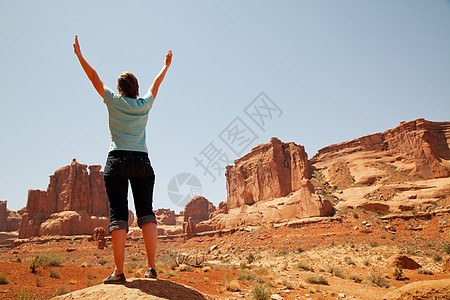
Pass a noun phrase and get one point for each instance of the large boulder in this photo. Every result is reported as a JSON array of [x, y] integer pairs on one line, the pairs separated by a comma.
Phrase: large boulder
[[198, 209], [71, 189], [404, 261]]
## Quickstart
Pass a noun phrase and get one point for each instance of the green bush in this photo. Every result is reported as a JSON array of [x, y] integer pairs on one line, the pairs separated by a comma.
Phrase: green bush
[[260, 292], [398, 273], [47, 259], [377, 279]]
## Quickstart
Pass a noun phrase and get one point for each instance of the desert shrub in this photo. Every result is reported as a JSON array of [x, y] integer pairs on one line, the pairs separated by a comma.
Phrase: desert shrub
[[366, 262], [184, 268], [424, 271], [64, 289], [242, 266], [354, 277], [398, 273], [447, 249], [263, 270], [16, 260], [39, 281], [335, 271], [245, 275], [261, 292], [377, 279], [27, 294], [233, 286], [349, 261], [437, 258], [4, 279], [250, 258], [102, 261], [288, 284], [317, 280], [46, 259], [54, 273], [304, 266]]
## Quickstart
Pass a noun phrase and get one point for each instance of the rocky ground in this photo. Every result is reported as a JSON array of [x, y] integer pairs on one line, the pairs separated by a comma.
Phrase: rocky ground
[[341, 257]]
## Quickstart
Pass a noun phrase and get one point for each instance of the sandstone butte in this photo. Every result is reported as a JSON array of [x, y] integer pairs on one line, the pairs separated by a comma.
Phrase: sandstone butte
[[421, 143], [268, 185], [9, 220], [75, 202]]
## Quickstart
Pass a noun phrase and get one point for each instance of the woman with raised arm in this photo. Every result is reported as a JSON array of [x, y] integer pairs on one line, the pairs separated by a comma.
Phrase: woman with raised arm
[[128, 161]]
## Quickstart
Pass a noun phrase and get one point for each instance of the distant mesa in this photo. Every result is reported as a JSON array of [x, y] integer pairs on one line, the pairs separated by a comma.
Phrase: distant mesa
[[401, 169], [9, 220], [75, 202]]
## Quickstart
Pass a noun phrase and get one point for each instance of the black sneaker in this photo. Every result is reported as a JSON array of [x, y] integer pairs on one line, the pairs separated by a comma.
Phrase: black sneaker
[[150, 273], [115, 279]]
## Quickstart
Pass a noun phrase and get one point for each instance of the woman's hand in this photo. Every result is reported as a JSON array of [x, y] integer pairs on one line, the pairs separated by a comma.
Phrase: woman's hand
[[168, 59], [76, 47]]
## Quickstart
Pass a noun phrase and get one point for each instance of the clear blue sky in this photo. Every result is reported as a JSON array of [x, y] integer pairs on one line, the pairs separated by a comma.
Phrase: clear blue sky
[[338, 70]]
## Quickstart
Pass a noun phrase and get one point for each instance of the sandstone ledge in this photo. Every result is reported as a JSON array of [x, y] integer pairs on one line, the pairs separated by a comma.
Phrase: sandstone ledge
[[137, 288]]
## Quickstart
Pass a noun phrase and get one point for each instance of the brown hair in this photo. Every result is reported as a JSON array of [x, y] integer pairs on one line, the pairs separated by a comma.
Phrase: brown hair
[[128, 85]]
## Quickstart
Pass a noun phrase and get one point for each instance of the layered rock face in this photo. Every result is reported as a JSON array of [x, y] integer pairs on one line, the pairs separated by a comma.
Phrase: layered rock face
[[199, 209], [268, 185], [3, 216], [75, 202], [424, 144], [269, 171], [9, 220], [400, 169], [165, 216]]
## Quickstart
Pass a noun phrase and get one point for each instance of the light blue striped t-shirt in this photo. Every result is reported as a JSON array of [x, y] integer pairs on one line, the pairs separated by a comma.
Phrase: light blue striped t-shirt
[[127, 120]]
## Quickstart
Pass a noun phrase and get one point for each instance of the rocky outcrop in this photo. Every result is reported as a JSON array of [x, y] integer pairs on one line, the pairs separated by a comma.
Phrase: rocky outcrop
[[165, 217], [428, 289], [99, 237], [424, 144], [268, 185], [75, 202], [269, 171], [199, 209], [9, 220], [446, 265], [404, 261], [3, 216], [137, 288]]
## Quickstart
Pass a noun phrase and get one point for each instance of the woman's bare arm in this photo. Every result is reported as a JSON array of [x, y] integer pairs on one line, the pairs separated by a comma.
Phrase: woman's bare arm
[[160, 77], [90, 72]]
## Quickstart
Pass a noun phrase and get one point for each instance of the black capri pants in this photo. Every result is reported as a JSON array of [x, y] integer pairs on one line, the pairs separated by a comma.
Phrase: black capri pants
[[135, 167]]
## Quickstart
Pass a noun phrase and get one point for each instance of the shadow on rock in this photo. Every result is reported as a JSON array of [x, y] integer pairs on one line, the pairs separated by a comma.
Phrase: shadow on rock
[[165, 289]]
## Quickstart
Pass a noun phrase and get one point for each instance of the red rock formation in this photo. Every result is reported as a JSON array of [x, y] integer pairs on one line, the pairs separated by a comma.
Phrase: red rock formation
[[13, 219], [402, 260], [9, 220], [3, 216], [425, 144], [199, 209], [165, 217], [268, 185], [269, 171], [71, 189], [99, 237]]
